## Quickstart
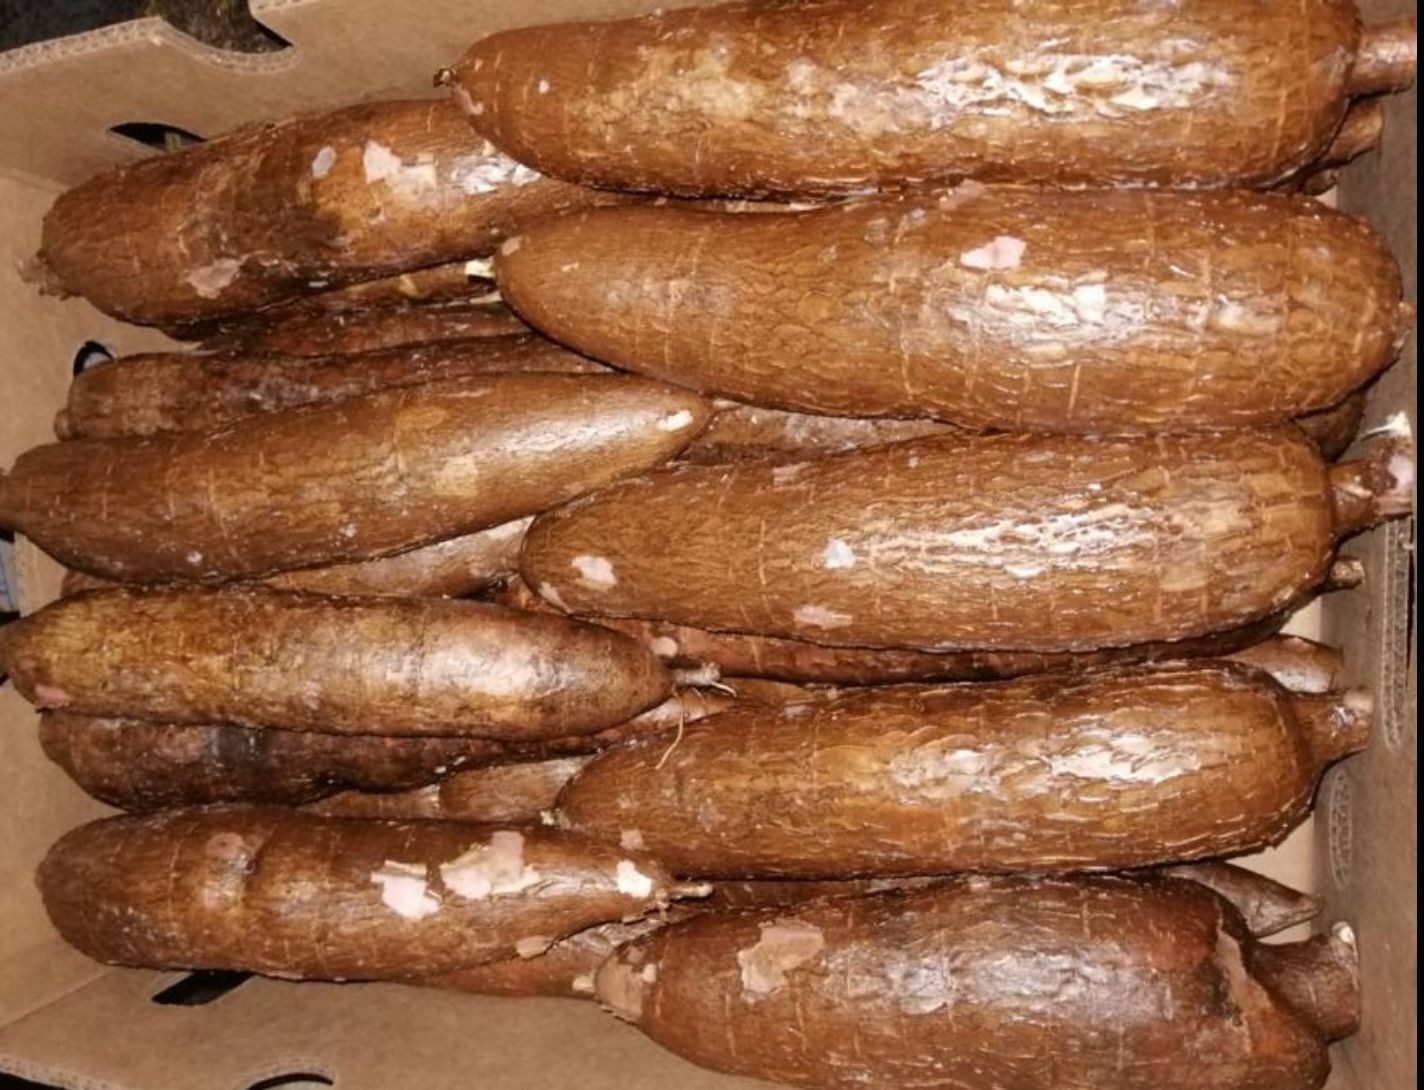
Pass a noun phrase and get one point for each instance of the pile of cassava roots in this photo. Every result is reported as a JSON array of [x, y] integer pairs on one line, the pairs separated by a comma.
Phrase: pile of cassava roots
[[774, 517]]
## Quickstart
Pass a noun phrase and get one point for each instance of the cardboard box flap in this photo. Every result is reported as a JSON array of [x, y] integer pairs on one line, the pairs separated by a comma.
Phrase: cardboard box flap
[[66, 95]]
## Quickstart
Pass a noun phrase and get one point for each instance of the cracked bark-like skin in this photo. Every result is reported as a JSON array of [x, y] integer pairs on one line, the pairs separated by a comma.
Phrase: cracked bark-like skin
[[448, 569], [994, 308], [344, 333], [171, 391], [1011, 983], [289, 894], [1000, 542], [290, 208], [370, 476], [399, 666], [743, 655], [1123, 768], [840, 96], [748, 433], [140, 765]]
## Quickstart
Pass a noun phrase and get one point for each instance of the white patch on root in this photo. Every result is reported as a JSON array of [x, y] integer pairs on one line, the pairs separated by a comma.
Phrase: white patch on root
[[595, 572], [475, 174], [323, 161], [816, 616], [784, 945], [1001, 252], [837, 555], [532, 946], [631, 840], [487, 870], [405, 890], [665, 647], [631, 881], [675, 421], [381, 164], [212, 279], [550, 594]]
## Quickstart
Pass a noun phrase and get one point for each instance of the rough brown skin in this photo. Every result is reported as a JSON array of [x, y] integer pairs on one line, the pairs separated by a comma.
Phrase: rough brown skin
[[369, 476], [1123, 768], [452, 282], [452, 568], [162, 392], [1300, 664], [1085, 312], [1015, 983], [1000, 542], [396, 666], [843, 96], [747, 433], [350, 332], [290, 208], [1333, 430], [568, 968], [280, 892], [138, 765]]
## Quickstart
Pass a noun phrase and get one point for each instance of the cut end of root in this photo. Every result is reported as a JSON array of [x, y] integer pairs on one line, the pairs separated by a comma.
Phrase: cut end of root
[[1346, 573], [1387, 58], [443, 77], [1379, 485], [705, 675], [1335, 724]]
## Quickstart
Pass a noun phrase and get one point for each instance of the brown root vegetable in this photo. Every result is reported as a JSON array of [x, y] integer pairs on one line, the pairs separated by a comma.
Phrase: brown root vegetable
[[351, 332], [161, 392], [286, 209], [1297, 663], [566, 969], [365, 477], [290, 894], [1029, 983], [1081, 312], [448, 569], [746, 433], [1000, 542], [398, 666], [1030, 774], [1333, 430], [1266, 906], [514, 794], [841, 96], [1387, 58], [139, 765]]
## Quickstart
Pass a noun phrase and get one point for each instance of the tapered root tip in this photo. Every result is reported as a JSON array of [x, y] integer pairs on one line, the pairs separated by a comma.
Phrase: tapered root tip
[[1379, 485], [1358, 133], [1335, 724], [1319, 979], [1386, 59]]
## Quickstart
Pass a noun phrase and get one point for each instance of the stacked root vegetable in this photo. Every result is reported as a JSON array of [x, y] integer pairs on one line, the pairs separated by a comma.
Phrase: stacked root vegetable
[[878, 654]]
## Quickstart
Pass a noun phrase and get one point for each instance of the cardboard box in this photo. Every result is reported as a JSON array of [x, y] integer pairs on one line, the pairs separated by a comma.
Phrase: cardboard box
[[71, 1022]]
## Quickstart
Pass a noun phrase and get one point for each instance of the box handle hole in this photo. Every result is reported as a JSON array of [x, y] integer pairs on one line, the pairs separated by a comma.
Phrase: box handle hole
[[156, 136], [89, 354], [195, 989], [294, 1080]]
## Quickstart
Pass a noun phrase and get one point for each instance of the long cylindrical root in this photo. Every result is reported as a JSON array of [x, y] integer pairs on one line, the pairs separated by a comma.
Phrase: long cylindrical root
[[1301, 665], [1267, 906], [1379, 485], [1386, 59], [1335, 724], [1318, 978]]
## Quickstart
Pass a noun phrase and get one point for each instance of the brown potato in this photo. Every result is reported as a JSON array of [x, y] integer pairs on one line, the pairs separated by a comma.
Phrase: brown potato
[[343, 333], [289, 208], [1122, 768], [1000, 542], [161, 392], [365, 477], [1029, 983], [290, 894], [399, 666], [1085, 312], [1299, 664], [844, 96]]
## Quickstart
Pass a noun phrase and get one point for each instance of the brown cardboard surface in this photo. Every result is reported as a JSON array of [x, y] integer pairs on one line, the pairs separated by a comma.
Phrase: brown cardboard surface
[[63, 96], [66, 1020], [363, 1037]]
